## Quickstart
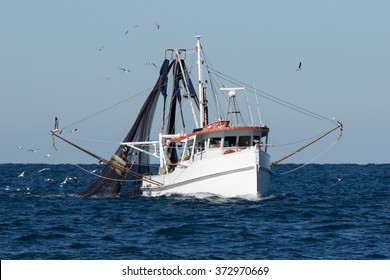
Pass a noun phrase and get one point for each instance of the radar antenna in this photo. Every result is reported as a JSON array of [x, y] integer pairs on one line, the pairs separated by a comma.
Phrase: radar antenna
[[233, 110]]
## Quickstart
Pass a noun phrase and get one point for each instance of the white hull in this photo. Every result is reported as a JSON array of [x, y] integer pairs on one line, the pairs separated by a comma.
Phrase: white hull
[[238, 174]]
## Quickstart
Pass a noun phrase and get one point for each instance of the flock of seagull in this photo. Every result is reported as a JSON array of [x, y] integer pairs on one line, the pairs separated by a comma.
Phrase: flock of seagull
[[68, 178], [132, 28], [157, 26], [125, 70], [33, 151], [36, 150], [64, 182]]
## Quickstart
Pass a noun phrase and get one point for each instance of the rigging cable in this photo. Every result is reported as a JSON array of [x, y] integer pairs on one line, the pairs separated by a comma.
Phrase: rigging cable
[[109, 108], [216, 102], [257, 102], [273, 98], [339, 126], [213, 79], [249, 107]]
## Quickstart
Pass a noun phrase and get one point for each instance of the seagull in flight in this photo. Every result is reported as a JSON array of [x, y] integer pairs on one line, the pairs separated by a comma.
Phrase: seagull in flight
[[151, 63], [131, 29], [124, 70], [299, 66], [157, 25], [64, 182], [100, 49], [69, 179], [33, 150], [21, 174], [56, 129], [43, 169], [73, 130], [47, 156], [19, 147], [73, 179]]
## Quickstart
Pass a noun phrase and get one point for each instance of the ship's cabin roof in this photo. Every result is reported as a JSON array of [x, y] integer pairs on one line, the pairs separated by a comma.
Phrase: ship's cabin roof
[[222, 129]]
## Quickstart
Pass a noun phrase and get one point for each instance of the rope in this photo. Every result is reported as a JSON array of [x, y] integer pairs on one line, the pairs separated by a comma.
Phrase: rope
[[310, 161], [340, 126]]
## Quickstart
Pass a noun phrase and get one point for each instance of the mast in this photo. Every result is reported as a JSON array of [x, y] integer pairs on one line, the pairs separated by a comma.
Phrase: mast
[[200, 83], [186, 86]]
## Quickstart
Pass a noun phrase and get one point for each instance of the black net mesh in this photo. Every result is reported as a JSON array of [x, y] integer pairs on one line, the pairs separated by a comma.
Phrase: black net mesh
[[112, 176]]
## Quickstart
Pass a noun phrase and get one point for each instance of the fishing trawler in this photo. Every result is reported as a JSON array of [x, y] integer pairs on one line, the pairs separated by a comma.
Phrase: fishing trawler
[[226, 156]]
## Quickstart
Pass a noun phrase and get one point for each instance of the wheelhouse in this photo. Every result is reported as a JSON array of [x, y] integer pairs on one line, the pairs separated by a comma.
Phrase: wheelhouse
[[205, 142]]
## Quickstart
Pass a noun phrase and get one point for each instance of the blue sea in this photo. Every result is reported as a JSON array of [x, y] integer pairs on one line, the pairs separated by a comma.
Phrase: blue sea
[[330, 211]]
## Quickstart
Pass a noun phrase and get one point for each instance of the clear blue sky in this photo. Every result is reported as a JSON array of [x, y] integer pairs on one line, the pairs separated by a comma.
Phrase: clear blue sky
[[49, 66]]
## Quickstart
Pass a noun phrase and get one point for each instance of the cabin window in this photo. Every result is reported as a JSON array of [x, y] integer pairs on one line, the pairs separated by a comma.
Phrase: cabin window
[[229, 141], [199, 147], [244, 141], [215, 142]]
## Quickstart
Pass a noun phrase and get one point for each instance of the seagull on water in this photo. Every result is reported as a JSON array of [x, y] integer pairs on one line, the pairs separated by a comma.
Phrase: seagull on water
[[124, 70], [299, 66], [131, 29]]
